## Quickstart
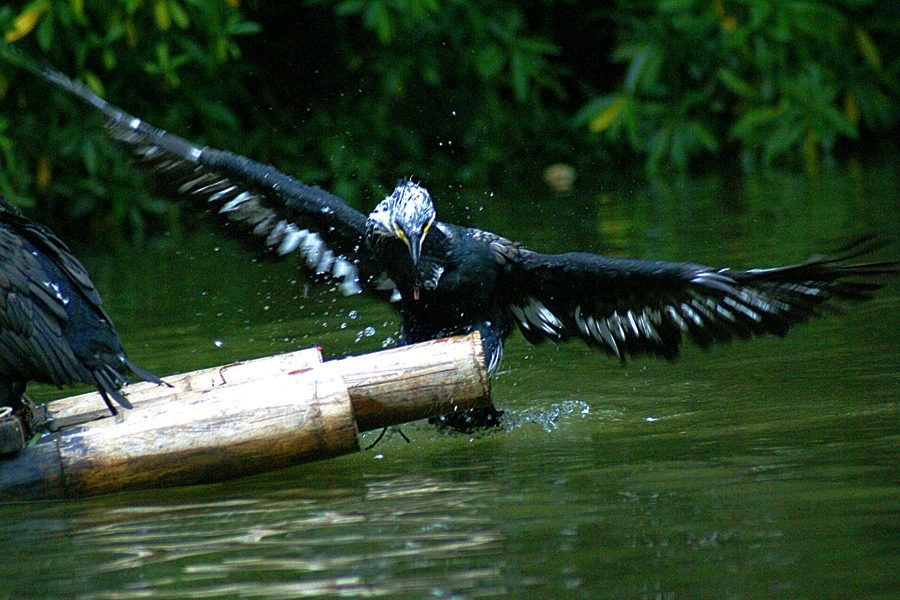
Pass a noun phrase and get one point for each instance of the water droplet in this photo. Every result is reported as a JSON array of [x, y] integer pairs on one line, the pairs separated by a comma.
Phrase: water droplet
[[369, 331], [218, 343]]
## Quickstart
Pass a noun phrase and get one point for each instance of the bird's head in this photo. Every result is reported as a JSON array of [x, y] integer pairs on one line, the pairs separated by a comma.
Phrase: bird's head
[[405, 215]]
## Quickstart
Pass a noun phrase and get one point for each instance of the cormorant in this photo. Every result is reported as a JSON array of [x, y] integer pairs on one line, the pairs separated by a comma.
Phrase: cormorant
[[52, 326], [446, 280]]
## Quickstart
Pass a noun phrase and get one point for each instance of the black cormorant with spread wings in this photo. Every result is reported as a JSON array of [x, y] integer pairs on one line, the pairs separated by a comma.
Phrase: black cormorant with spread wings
[[53, 328], [446, 280]]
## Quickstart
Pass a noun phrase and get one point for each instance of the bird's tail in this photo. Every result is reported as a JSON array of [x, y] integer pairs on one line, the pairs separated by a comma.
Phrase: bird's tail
[[109, 384], [109, 381], [143, 373]]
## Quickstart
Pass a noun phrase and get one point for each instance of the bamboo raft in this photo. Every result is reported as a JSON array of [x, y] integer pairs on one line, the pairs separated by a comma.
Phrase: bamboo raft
[[242, 418]]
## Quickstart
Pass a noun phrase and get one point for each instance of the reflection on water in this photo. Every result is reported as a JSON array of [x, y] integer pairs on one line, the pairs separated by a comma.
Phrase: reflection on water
[[297, 545], [763, 469], [403, 535]]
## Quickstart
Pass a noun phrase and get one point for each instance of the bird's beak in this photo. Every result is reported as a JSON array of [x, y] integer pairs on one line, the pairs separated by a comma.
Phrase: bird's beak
[[415, 251], [415, 248], [414, 242]]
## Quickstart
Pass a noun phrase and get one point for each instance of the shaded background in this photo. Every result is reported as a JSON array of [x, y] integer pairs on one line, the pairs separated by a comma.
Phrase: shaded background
[[353, 95], [740, 133]]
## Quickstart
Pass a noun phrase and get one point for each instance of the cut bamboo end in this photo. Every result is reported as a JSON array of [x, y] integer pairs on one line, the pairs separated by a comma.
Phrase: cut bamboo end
[[415, 382]]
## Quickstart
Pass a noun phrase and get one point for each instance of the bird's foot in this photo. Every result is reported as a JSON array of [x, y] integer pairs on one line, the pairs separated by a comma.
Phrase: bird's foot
[[381, 435], [469, 420]]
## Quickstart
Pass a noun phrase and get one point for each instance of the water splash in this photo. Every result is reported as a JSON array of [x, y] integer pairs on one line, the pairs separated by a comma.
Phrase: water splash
[[369, 331], [547, 417]]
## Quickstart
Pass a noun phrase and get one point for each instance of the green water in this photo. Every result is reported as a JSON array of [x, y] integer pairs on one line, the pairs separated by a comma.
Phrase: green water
[[766, 469]]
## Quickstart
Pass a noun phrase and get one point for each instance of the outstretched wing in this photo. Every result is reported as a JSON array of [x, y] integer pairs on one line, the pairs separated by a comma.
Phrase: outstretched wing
[[633, 307], [277, 213]]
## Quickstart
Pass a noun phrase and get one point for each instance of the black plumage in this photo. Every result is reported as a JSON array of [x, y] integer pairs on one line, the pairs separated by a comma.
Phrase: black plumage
[[53, 328], [447, 280]]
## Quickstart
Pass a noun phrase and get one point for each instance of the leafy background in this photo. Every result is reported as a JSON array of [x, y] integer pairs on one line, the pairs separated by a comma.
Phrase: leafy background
[[353, 94]]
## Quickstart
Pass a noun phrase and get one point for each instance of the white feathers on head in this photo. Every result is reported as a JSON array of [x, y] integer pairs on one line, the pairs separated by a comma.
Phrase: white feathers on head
[[408, 209]]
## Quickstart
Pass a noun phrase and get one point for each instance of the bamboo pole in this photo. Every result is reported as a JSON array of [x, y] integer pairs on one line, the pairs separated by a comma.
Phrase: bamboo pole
[[385, 391], [243, 418], [242, 429], [90, 406]]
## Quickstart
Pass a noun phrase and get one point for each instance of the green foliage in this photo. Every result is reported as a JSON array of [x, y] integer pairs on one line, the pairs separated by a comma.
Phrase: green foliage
[[449, 87], [345, 93], [141, 54], [354, 94], [774, 80]]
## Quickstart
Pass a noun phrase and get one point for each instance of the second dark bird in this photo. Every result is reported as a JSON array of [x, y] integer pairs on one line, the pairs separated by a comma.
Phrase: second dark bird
[[53, 328]]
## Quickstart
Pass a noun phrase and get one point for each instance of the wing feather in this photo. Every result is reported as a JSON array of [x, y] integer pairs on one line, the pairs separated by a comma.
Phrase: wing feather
[[633, 307], [32, 340], [273, 211]]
